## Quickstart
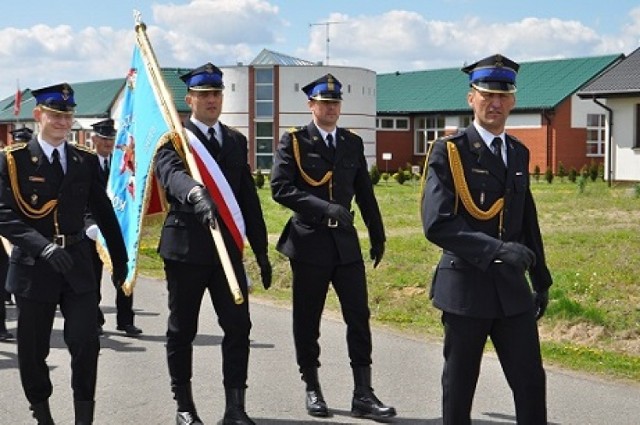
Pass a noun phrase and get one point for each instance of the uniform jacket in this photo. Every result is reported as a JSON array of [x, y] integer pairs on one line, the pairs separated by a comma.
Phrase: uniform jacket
[[183, 238], [467, 281], [29, 276], [306, 236]]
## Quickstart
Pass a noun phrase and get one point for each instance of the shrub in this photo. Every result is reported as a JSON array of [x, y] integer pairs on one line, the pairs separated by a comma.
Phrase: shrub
[[374, 173], [582, 183], [385, 177], [400, 176], [593, 170], [562, 172], [573, 174], [601, 171], [259, 179], [548, 175], [584, 171], [536, 173], [636, 190]]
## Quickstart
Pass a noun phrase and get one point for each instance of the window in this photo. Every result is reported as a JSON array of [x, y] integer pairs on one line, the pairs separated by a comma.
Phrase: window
[[596, 135], [465, 121], [390, 123], [264, 92], [264, 145], [428, 129]]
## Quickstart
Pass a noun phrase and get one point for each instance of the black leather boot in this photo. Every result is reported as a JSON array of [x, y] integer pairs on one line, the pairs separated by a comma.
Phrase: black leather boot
[[84, 412], [186, 414], [42, 413], [315, 404], [365, 403], [234, 413]]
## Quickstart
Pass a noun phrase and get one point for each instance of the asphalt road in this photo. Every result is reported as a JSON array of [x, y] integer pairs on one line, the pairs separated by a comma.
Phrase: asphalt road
[[133, 384]]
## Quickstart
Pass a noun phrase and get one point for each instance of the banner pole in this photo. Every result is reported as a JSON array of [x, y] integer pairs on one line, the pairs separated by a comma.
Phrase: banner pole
[[166, 102]]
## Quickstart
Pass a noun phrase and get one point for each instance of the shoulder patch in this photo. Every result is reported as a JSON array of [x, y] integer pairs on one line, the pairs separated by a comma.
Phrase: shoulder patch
[[15, 147]]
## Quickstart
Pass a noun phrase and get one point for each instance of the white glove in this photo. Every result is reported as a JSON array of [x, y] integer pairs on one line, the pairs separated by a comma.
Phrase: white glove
[[92, 232]]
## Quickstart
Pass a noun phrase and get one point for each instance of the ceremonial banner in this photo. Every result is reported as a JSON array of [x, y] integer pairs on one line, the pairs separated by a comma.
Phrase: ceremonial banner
[[141, 128]]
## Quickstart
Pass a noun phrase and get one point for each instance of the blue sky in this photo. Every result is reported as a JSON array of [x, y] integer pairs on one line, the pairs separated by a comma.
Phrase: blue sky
[[44, 42]]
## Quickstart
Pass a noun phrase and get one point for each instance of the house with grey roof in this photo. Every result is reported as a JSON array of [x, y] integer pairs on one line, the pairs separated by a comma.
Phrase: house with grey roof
[[415, 108], [617, 93]]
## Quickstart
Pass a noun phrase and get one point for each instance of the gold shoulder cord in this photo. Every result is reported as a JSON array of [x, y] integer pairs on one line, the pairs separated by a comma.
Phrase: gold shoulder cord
[[462, 191], [425, 171], [328, 177], [22, 204]]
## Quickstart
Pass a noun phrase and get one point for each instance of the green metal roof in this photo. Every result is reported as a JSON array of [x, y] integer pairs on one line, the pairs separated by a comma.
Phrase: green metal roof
[[96, 98], [541, 85]]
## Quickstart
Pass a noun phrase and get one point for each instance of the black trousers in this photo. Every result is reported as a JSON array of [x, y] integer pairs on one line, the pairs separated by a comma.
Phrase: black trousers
[[35, 322], [124, 304], [186, 284], [517, 345], [310, 286]]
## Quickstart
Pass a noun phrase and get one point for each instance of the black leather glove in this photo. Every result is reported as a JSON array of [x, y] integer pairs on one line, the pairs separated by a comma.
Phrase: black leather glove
[[119, 274], [266, 272], [376, 252], [59, 259], [340, 214], [517, 255], [540, 301], [203, 206]]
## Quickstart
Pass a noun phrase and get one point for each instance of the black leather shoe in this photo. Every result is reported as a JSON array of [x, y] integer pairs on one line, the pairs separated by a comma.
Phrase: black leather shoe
[[188, 418], [130, 330], [5, 335], [316, 406], [366, 404]]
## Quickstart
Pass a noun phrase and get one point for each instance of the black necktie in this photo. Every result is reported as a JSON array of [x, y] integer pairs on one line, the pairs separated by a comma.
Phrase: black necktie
[[57, 167], [496, 147], [332, 146], [105, 167], [214, 141]]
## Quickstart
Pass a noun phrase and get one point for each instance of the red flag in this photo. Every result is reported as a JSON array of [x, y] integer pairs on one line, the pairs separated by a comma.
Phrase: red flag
[[17, 102]]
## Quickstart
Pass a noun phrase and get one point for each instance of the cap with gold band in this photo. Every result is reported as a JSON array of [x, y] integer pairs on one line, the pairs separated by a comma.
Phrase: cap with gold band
[[493, 74], [58, 98]]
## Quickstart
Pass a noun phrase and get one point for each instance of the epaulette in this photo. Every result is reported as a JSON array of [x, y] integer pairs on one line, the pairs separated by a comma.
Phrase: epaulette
[[352, 131], [85, 148], [15, 146], [453, 136], [294, 129], [515, 139]]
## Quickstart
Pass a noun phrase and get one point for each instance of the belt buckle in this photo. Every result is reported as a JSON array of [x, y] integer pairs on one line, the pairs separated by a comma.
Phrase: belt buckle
[[60, 240], [332, 222]]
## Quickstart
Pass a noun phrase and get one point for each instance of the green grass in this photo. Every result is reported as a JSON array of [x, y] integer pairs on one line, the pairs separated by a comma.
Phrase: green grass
[[592, 244]]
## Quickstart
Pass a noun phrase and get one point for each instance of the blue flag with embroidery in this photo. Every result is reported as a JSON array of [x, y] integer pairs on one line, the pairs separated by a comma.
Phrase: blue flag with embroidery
[[141, 127]]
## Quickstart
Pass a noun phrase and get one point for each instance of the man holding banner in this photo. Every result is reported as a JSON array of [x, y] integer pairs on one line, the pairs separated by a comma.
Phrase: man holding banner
[[227, 196]]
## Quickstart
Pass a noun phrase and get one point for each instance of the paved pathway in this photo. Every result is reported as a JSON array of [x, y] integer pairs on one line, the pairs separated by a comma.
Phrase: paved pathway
[[133, 383]]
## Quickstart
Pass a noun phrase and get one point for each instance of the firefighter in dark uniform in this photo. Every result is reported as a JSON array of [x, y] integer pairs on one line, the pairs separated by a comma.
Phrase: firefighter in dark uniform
[[46, 185], [103, 137], [22, 134], [191, 261], [318, 170], [478, 207]]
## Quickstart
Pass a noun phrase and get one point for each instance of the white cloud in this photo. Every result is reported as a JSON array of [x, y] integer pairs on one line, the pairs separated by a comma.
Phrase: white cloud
[[226, 32]]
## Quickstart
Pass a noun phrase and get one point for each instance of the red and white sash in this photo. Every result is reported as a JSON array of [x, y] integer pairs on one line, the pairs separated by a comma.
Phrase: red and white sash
[[219, 189]]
